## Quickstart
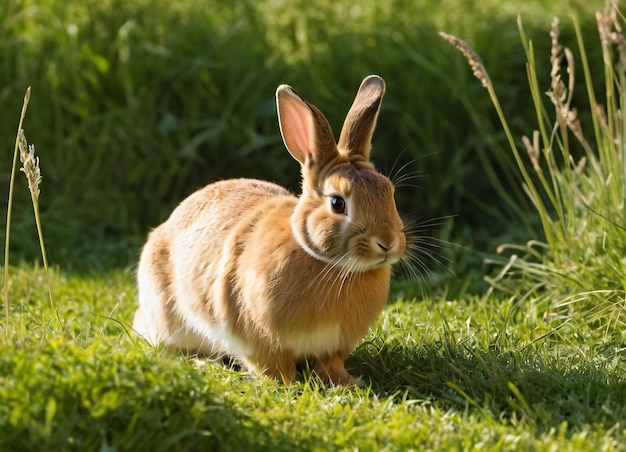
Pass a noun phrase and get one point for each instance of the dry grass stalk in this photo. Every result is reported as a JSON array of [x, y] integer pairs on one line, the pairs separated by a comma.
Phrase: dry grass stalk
[[559, 94], [582, 163], [10, 209], [533, 149], [610, 31], [481, 73], [602, 119], [475, 62], [30, 168], [30, 165]]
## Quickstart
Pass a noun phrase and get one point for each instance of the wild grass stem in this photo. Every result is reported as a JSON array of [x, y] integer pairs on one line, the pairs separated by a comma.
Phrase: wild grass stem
[[481, 73], [10, 208], [30, 168]]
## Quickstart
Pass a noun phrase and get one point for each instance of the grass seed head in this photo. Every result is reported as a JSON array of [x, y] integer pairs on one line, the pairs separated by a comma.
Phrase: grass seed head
[[533, 151], [617, 36], [611, 34], [30, 165], [472, 57], [559, 93], [556, 55]]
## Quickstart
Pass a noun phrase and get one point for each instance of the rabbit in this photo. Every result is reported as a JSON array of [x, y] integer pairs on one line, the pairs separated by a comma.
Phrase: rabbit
[[243, 268]]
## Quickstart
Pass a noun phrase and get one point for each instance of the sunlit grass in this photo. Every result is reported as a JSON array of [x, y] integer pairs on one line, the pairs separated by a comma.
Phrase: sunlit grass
[[437, 374]]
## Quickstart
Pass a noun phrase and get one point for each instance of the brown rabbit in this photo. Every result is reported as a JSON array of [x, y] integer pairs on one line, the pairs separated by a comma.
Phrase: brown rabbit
[[244, 268]]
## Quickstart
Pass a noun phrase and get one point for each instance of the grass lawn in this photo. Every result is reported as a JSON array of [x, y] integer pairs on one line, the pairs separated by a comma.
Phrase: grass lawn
[[482, 372]]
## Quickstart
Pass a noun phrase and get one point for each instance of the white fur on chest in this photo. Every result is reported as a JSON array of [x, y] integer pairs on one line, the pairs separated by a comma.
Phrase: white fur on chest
[[321, 341]]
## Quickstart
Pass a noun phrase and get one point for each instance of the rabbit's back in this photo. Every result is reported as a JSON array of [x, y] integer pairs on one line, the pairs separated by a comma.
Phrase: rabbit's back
[[217, 206]]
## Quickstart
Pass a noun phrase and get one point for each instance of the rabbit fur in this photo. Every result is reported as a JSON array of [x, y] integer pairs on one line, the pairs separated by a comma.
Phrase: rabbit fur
[[246, 269]]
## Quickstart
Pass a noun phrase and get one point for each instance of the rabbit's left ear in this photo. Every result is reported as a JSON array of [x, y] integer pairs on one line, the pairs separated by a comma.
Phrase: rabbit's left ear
[[357, 130], [305, 130]]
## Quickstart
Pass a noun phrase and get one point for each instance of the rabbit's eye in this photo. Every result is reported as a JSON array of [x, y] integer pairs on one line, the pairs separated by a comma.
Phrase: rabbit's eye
[[338, 204]]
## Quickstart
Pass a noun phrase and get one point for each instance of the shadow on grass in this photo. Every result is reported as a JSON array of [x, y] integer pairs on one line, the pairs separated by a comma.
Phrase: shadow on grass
[[66, 397], [545, 390]]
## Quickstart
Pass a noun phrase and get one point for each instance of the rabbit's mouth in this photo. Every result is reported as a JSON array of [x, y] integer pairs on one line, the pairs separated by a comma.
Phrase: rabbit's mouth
[[362, 265], [390, 260], [387, 260], [377, 253]]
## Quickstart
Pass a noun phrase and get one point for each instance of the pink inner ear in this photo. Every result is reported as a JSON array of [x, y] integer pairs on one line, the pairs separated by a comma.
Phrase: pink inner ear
[[296, 125]]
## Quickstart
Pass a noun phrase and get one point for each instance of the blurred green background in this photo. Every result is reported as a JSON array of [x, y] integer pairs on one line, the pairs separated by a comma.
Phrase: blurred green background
[[135, 104]]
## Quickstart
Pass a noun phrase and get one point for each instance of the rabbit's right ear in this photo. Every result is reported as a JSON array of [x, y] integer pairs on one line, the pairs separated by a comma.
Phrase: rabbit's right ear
[[357, 130], [305, 130]]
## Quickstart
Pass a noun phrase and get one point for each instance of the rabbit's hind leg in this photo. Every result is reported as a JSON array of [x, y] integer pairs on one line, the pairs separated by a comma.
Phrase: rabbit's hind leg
[[332, 370], [279, 365]]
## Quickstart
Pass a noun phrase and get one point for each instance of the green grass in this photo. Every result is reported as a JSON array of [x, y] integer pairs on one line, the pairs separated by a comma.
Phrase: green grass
[[533, 363], [438, 374]]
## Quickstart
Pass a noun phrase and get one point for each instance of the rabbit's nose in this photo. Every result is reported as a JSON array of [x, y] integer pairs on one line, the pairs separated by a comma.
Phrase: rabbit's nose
[[382, 247]]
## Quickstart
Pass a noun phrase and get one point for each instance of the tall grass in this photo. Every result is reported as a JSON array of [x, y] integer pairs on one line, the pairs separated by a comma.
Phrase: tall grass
[[150, 99], [10, 208], [32, 172], [574, 174], [30, 168]]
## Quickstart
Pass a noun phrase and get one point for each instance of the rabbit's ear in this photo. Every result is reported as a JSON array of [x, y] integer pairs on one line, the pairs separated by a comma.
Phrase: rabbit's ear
[[305, 130], [357, 130]]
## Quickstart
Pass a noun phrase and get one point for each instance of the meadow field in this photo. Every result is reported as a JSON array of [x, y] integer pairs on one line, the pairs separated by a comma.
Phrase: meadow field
[[507, 331]]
